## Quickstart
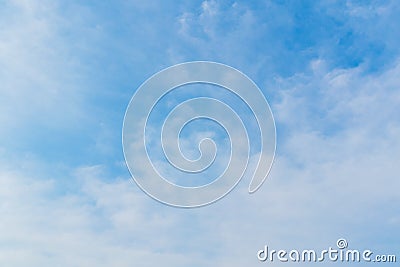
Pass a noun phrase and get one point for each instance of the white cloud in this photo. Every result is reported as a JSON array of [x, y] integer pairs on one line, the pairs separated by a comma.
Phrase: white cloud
[[102, 224], [320, 188], [209, 8], [336, 173], [38, 79]]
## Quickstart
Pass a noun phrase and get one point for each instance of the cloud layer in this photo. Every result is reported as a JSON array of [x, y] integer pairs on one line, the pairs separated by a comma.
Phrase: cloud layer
[[67, 71]]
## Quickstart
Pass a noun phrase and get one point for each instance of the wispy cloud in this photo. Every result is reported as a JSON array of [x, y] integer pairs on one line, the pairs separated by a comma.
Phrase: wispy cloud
[[67, 72]]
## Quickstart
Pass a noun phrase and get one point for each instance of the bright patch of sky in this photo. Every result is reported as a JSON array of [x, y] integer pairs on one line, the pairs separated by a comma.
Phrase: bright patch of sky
[[330, 71]]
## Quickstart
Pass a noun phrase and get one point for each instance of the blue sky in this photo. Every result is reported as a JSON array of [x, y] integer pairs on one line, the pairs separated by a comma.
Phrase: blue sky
[[330, 72]]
